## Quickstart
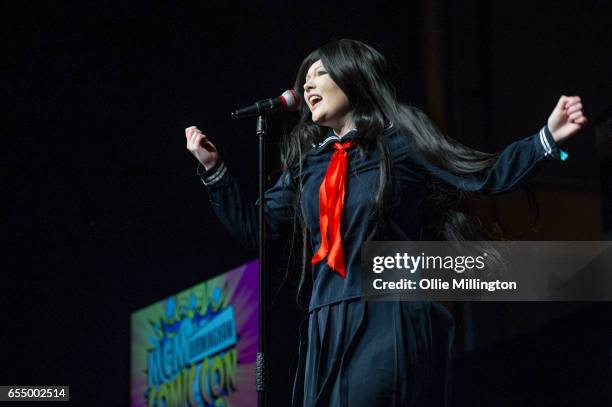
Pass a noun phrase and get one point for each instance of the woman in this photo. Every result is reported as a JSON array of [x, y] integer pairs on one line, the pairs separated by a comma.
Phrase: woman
[[360, 165]]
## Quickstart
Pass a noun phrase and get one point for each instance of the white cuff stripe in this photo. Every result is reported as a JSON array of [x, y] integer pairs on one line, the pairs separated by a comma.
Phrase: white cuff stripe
[[216, 176], [544, 141], [210, 177]]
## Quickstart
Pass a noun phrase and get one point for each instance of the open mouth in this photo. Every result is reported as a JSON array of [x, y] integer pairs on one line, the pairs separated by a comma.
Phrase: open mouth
[[314, 100]]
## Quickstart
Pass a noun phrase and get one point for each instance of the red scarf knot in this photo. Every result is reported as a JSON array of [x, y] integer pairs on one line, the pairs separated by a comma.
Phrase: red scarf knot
[[331, 203]]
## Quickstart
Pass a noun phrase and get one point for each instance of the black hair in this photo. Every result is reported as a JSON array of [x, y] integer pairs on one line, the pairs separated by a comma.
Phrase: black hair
[[361, 72]]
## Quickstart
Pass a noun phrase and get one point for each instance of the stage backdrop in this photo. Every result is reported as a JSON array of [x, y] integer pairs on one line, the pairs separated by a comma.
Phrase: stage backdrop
[[199, 346]]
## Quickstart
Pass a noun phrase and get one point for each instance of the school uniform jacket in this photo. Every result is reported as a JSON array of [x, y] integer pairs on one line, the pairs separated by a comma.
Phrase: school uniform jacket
[[411, 172]]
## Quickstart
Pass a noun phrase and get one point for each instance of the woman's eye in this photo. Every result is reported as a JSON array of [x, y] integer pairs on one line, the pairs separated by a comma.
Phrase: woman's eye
[[318, 73]]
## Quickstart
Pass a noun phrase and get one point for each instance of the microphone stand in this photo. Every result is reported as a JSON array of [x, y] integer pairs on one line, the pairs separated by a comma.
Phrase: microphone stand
[[261, 369]]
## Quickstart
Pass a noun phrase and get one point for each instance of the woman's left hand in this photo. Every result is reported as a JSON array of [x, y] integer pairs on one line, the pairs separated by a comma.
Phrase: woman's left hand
[[567, 118]]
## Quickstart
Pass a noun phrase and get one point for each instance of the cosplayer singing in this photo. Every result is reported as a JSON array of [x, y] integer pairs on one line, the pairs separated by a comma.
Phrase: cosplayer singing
[[360, 165]]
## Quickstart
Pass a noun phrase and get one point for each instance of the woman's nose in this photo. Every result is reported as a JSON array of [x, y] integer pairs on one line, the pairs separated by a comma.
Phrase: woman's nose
[[308, 85]]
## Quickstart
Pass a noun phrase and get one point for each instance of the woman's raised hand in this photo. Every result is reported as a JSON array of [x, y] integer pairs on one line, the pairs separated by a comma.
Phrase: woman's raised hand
[[567, 118], [202, 149]]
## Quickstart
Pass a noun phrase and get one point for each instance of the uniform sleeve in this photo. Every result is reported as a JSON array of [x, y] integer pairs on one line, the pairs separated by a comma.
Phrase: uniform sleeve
[[514, 165], [239, 215]]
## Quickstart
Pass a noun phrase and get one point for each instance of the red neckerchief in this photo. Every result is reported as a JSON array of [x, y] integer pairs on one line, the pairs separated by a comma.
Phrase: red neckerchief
[[331, 203]]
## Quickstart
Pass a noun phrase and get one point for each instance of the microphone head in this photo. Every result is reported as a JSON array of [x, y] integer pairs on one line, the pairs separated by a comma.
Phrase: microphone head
[[291, 100]]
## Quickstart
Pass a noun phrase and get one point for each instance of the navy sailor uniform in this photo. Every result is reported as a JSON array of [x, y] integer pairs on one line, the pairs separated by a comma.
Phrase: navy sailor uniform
[[368, 353]]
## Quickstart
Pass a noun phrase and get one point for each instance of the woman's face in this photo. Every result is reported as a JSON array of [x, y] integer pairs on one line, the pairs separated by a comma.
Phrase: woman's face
[[327, 102]]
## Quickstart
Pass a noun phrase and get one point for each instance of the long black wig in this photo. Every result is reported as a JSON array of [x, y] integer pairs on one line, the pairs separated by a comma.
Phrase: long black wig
[[361, 72]]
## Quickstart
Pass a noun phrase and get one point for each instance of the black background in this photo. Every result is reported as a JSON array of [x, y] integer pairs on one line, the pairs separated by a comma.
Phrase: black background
[[105, 214]]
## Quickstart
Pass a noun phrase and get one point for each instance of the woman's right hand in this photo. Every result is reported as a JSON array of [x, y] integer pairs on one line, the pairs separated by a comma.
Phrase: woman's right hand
[[201, 148]]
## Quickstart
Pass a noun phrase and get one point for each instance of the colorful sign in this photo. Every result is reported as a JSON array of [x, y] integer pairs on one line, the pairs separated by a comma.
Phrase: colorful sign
[[198, 347]]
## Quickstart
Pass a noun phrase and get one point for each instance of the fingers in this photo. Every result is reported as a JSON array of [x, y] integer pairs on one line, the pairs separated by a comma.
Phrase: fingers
[[581, 120], [561, 102], [574, 110], [566, 101], [576, 107], [194, 137], [572, 101], [572, 107], [189, 131], [575, 115]]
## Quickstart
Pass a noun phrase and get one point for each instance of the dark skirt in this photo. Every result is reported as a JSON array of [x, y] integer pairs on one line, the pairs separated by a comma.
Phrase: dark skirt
[[374, 353]]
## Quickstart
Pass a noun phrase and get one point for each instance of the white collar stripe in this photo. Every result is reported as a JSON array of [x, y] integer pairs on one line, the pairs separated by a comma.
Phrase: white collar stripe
[[338, 138]]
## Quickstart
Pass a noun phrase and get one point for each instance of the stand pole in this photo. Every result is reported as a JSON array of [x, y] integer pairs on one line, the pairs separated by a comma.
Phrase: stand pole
[[261, 369]]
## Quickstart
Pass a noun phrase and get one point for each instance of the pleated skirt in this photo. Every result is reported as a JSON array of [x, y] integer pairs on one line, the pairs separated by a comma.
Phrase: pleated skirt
[[374, 353]]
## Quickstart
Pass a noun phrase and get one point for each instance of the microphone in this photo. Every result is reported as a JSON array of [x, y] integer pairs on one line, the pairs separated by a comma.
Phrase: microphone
[[288, 101]]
